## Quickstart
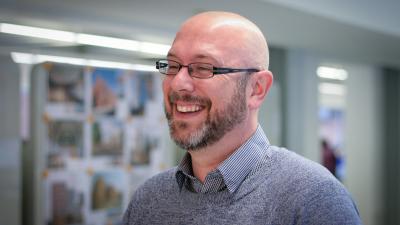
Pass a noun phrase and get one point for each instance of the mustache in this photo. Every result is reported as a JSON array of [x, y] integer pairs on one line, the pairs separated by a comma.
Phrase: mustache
[[174, 96]]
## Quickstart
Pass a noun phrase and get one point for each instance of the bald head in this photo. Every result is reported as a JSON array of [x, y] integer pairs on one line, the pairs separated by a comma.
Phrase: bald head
[[236, 39], [225, 106]]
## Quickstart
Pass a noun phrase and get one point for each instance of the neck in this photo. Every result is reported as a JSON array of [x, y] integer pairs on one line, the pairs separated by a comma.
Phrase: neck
[[209, 158]]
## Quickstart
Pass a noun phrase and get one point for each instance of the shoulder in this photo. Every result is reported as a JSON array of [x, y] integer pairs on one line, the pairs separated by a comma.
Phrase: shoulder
[[292, 166], [297, 173], [316, 195]]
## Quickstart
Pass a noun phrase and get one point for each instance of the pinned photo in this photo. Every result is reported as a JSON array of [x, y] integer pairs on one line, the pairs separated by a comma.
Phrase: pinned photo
[[65, 89], [65, 141]]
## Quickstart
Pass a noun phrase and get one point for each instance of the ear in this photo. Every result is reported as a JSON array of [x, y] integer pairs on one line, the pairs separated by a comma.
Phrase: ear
[[260, 83]]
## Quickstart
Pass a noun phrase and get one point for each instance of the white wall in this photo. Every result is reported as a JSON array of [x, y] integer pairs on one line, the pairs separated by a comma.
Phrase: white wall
[[10, 172], [363, 141], [302, 104], [270, 115]]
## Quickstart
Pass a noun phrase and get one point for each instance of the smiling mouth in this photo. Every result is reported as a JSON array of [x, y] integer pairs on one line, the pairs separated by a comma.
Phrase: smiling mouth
[[188, 109]]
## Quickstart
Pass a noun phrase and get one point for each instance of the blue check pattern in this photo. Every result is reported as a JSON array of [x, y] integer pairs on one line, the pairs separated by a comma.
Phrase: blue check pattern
[[231, 172]]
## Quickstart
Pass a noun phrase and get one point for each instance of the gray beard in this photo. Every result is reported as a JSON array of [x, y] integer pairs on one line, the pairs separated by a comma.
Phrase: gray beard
[[215, 126]]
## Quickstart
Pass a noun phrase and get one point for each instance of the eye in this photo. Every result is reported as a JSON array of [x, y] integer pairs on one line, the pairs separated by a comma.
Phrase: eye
[[203, 68], [173, 66]]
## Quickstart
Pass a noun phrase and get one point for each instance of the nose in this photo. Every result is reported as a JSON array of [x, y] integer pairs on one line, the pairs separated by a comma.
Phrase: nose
[[182, 81]]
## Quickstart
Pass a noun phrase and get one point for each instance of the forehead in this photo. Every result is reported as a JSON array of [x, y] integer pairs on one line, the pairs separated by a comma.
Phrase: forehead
[[196, 53]]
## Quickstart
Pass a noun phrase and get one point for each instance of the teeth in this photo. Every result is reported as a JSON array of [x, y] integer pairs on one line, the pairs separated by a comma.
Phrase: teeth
[[193, 108]]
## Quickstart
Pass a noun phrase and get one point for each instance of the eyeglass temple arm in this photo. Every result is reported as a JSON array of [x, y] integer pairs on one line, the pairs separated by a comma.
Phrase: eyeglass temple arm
[[217, 70]]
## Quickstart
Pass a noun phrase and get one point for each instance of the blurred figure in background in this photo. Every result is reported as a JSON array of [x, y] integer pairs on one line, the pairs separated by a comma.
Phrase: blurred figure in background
[[328, 157]]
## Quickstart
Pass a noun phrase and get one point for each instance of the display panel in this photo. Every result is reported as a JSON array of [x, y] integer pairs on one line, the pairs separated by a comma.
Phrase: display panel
[[103, 138]]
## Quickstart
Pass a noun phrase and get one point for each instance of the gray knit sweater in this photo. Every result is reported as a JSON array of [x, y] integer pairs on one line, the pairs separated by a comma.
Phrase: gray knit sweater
[[284, 188]]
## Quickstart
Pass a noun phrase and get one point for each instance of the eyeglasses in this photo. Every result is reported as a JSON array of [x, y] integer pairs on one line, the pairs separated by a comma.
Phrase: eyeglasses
[[198, 70]]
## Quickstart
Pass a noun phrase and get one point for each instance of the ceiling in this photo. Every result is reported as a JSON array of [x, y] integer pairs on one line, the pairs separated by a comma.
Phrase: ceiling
[[381, 16], [355, 30]]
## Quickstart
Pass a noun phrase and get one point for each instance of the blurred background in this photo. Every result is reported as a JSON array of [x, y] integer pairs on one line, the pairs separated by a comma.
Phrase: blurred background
[[81, 117]]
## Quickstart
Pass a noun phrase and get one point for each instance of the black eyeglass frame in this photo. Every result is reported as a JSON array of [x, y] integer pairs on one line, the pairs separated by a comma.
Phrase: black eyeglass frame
[[215, 70]]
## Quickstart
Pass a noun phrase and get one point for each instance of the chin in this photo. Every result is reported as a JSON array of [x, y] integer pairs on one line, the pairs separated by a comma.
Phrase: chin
[[189, 139]]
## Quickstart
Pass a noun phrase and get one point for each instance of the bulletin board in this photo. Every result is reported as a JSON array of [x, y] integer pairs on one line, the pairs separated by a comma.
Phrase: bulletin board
[[101, 134]]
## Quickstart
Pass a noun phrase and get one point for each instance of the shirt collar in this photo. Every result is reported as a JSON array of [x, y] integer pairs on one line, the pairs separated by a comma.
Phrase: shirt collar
[[184, 170], [236, 167]]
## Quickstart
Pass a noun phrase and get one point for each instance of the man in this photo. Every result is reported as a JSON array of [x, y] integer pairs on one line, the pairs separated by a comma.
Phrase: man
[[216, 77]]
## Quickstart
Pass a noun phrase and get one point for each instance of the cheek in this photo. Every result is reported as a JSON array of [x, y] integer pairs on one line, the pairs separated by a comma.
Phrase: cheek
[[165, 82], [165, 89], [230, 93], [220, 98]]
